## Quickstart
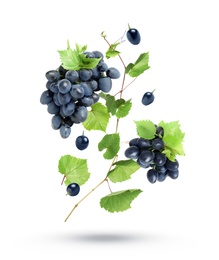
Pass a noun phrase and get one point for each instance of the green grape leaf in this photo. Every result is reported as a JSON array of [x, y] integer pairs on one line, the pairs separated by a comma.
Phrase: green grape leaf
[[98, 118], [145, 129], [110, 103], [123, 170], [173, 139], [141, 64], [123, 109], [119, 201], [110, 142], [75, 59], [89, 63], [74, 169], [112, 52]]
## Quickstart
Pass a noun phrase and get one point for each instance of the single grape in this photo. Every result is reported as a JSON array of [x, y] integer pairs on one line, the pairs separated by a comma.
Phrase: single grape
[[65, 131], [56, 100], [52, 75], [67, 120], [96, 74], [146, 157], [52, 108], [89, 54], [72, 76], [102, 66], [73, 189], [132, 152], [161, 176], [97, 54], [63, 99], [95, 97], [77, 91], [54, 87], [93, 84], [68, 109], [56, 122], [64, 86], [134, 142], [143, 165], [147, 98], [173, 174], [86, 101], [160, 169], [46, 97], [143, 144], [160, 158], [80, 114], [172, 166], [113, 73], [159, 131], [133, 36], [62, 71], [82, 142], [85, 74], [157, 143], [88, 91], [105, 84], [152, 175]]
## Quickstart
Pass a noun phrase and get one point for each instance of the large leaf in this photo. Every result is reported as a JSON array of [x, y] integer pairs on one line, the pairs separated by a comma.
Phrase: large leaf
[[98, 118], [74, 169], [110, 142], [123, 170], [146, 129], [141, 64], [119, 201]]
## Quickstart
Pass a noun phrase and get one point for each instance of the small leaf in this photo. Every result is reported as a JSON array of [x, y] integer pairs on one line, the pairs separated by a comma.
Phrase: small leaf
[[80, 48], [97, 118], [119, 201], [75, 169], [145, 129], [112, 52], [141, 64], [124, 109], [110, 142], [123, 170], [88, 63]]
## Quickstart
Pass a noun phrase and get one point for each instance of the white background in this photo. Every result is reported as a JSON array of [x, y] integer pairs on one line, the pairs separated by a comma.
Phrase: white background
[[170, 220]]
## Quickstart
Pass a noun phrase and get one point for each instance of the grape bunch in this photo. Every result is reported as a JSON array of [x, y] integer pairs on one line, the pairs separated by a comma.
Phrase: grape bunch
[[69, 93], [148, 154]]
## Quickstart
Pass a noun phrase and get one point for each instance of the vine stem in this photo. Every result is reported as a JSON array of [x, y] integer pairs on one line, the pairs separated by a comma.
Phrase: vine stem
[[75, 206]]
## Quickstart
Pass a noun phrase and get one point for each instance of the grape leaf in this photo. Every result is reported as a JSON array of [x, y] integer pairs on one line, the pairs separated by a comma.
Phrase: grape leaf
[[119, 201], [141, 64], [110, 142], [112, 52], [118, 107], [123, 170], [74, 169], [89, 63], [98, 118], [75, 59], [145, 129], [173, 139], [123, 108]]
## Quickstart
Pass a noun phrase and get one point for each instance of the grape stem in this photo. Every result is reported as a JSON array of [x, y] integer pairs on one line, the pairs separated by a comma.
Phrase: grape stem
[[63, 179]]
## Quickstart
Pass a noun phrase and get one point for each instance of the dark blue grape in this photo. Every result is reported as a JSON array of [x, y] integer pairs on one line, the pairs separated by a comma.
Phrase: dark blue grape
[[147, 98], [52, 75], [86, 101], [54, 87], [134, 142], [82, 142], [161, 176], [65, 131], [160, 169], [173, 174], [160, 131], [89, 54], [143, 143], [46, 97], [56, 100], [88, 91], [64, 86], [133, 36], [160, 159], [56, 122], [152, 175], [95, 97], [102, 66], [97, 54], [157, 143], [172, 166], [146, 157], [77, 91], [72, 76], [80, 114], [62, 71], [113, 73], [85, 74], [96, 74], [64, 99], [68, 109], [105, 84], [132, 152], [52, 108], [73, 189]]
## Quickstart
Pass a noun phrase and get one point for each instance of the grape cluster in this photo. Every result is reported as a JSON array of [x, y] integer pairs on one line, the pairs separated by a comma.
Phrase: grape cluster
[[70, 92], [148, 154]]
